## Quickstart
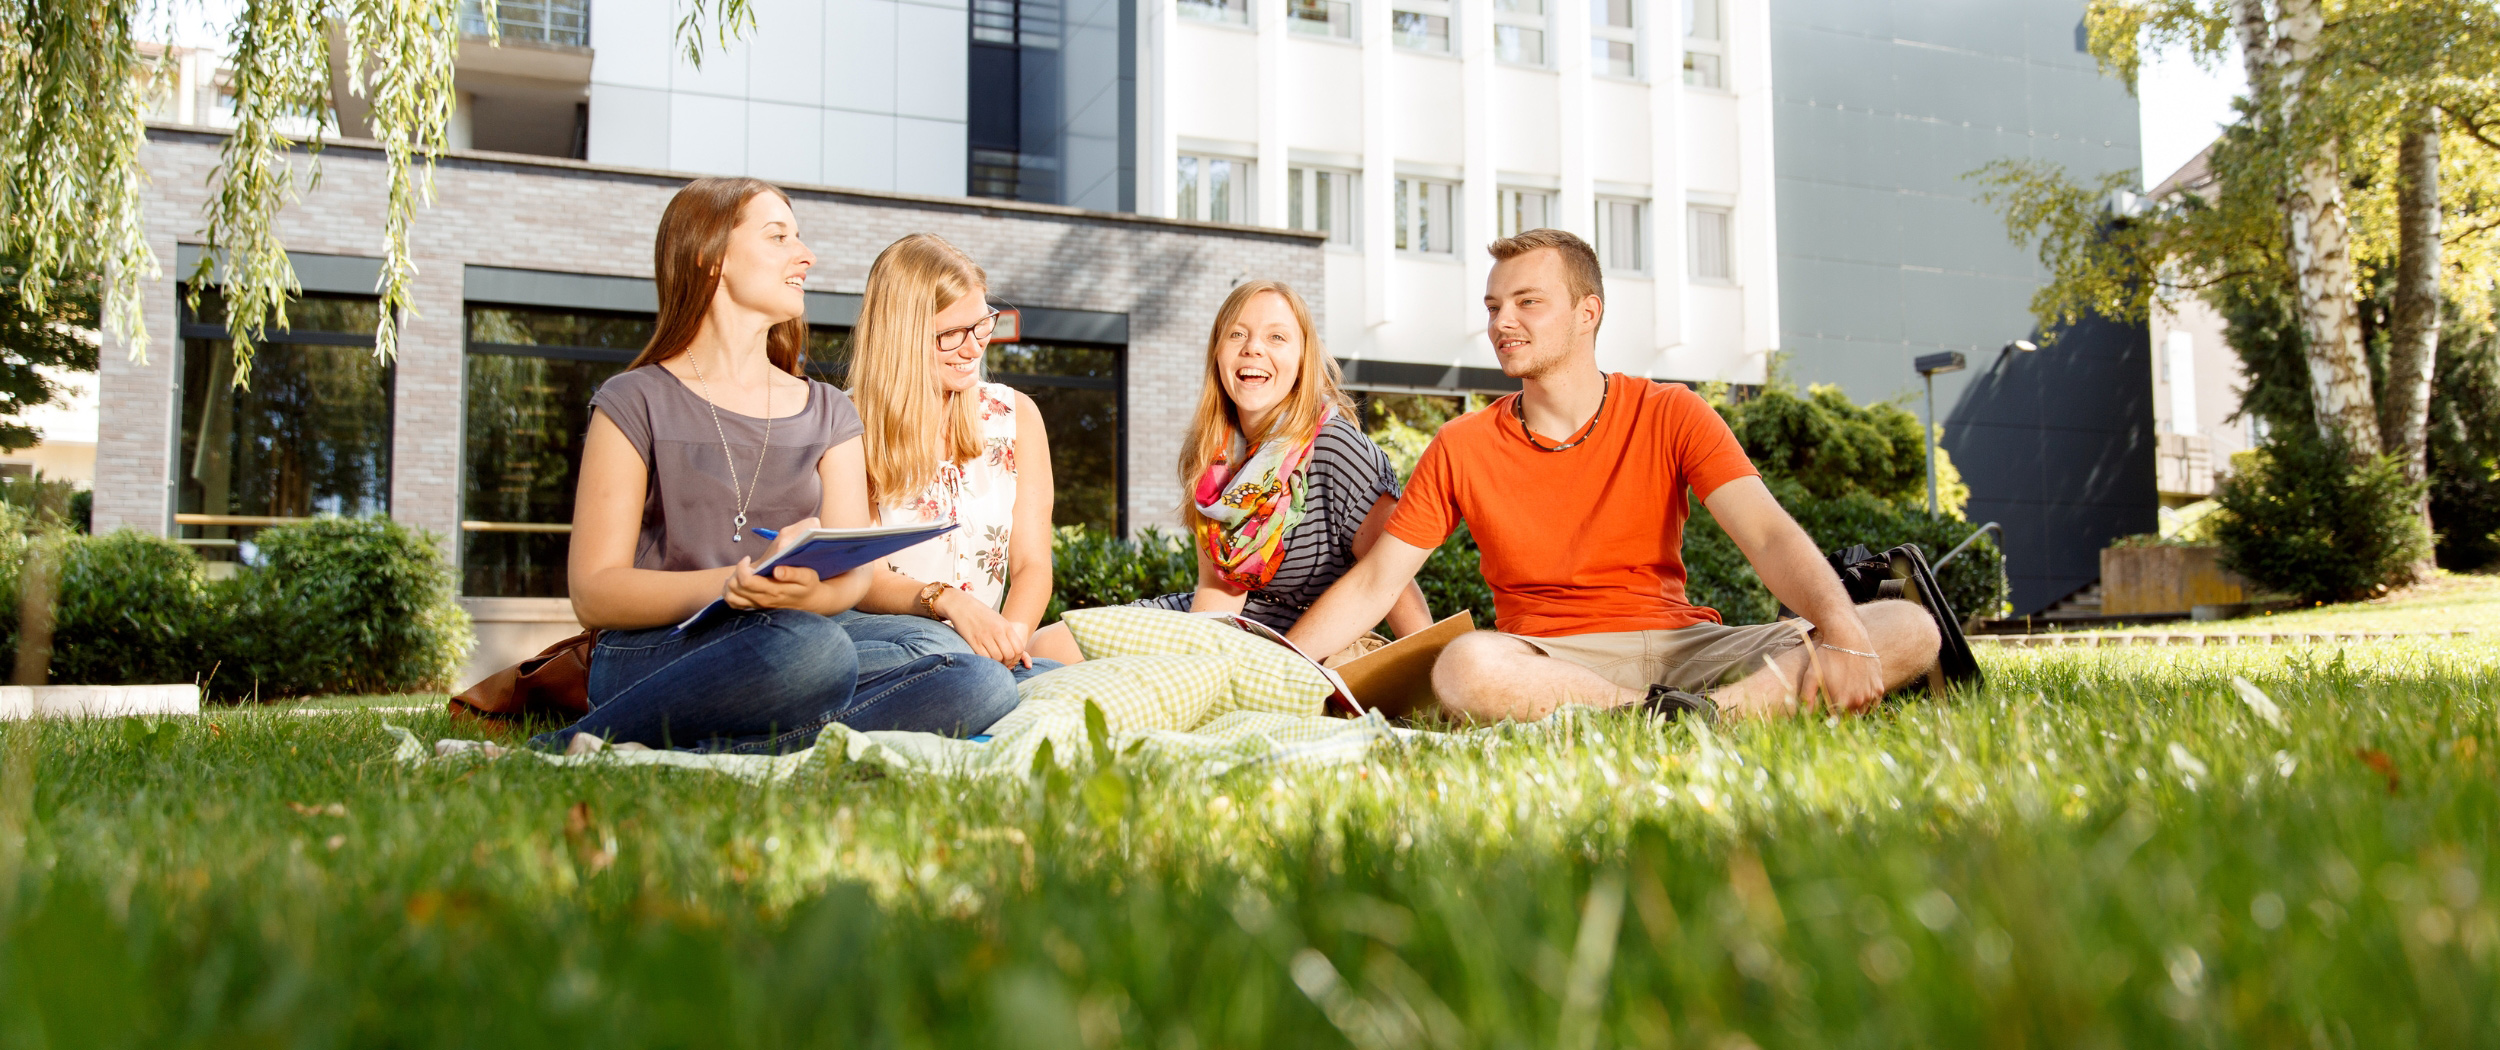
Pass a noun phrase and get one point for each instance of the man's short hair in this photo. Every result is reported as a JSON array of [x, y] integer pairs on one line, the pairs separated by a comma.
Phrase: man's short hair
[[1579, 260]]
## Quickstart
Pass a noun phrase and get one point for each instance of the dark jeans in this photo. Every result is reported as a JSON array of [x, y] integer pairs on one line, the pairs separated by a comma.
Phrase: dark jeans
[[768, 681], [918, 636]]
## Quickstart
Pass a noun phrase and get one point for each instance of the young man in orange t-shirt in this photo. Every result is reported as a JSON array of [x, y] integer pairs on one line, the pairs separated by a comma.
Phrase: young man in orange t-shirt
[[1574, 488]]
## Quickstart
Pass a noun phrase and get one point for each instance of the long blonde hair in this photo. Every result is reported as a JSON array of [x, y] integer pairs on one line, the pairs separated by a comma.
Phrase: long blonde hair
[[1316, 387], [912, 424]]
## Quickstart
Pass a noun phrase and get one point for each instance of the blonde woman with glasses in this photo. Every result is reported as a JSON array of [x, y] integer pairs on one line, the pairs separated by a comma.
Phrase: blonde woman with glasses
[[943, 445]]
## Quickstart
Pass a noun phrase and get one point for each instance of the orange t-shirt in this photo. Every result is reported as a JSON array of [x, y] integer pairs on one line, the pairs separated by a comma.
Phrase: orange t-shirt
[[1589, 539]]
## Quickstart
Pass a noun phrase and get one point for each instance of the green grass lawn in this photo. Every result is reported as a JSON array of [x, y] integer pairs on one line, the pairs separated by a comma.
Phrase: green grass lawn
[[2448, 602], [2107, 848]]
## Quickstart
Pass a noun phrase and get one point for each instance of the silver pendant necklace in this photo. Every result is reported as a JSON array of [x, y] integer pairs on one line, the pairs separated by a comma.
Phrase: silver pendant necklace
[[738, 525]]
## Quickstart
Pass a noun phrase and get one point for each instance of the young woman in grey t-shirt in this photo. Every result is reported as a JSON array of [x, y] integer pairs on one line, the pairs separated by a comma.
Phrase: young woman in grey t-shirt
[[713, 433]]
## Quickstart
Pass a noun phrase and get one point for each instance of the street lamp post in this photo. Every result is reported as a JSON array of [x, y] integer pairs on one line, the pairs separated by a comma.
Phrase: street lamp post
[[1929, 367]]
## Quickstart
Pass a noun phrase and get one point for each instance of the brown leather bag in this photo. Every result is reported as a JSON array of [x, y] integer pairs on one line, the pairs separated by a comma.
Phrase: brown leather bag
[[554, 684]]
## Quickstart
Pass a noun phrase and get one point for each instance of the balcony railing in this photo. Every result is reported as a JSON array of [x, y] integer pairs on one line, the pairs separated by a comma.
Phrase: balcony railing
[[565, 23]]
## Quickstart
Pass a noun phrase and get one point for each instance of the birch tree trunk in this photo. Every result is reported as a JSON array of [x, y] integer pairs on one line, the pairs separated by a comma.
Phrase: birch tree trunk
[[2321, 242], [2413, 345]]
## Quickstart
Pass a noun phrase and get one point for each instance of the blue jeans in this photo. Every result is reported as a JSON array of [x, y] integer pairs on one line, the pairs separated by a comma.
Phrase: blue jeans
[[768, 681], [918, 636]]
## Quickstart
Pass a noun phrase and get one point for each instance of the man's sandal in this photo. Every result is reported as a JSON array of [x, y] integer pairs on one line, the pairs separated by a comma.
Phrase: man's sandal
[[1671, 704]]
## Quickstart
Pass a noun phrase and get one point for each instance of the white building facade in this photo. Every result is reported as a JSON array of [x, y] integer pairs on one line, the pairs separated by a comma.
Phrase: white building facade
[[1412, 132]]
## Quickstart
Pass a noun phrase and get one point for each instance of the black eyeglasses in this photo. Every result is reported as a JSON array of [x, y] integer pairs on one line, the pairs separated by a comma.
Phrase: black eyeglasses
[[953, 338]]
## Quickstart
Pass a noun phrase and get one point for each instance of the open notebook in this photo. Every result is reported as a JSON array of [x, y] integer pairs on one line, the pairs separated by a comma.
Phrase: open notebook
[[832, 552], [1395, 679]]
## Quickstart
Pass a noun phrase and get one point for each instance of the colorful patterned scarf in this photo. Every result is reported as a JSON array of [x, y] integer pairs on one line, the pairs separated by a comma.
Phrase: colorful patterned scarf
[[1247, 518]]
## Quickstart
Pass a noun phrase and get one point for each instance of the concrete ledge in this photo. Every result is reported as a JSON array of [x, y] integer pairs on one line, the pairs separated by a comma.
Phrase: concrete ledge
[[97, 701], [510, 630]]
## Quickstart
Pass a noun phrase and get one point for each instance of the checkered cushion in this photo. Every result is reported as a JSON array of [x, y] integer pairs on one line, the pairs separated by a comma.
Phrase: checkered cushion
[[1265, 676], [1135, 693]]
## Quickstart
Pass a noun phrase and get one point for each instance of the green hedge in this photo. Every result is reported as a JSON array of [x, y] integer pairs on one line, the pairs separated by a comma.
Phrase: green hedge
[[1719, 576], [334, 606]]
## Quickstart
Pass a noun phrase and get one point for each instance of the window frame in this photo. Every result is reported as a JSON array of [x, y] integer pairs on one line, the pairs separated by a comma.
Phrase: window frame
[[1236, 13], [1712, 47], [1406, 206], [1603, 32], [1723, 220], [1302, 189], [189, 328], [1644, 258], [1505, 213], [1198, 189], [1343, 26], [1540, 23], [1445, 10]]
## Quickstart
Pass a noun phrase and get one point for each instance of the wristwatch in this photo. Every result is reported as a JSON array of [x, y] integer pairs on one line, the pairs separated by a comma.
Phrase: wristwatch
[[928, 599]]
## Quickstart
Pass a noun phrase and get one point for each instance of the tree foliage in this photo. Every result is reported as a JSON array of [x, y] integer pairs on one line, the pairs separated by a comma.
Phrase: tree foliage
[[58, 335], [75, 93], [1832, 448]]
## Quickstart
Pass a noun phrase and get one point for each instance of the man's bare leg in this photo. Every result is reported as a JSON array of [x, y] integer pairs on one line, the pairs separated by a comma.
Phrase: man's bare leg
[[1488, 676], [1904, 635]]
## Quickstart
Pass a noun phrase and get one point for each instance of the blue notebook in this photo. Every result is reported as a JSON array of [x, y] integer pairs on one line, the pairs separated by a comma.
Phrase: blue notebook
[[832, 552]]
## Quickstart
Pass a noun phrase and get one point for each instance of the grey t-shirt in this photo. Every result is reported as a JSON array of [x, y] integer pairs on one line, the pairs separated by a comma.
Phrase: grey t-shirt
[[688, 509]]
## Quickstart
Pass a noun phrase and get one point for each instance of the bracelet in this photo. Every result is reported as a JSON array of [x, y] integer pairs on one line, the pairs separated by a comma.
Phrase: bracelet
[[1852, 652]]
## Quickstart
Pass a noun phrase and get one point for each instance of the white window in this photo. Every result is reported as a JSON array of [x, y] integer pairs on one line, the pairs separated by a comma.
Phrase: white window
[[1620, 237], [1322, 200], [1705, 44], [1524, 210], [1421, 25], [1427, 216], [1215, 189], [1613, 39], [1329, 18], [1710, 244], [1236, 12], [1519, 32]]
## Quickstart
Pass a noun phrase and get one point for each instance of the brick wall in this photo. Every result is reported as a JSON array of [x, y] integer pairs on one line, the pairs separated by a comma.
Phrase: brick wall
[[493, 210]]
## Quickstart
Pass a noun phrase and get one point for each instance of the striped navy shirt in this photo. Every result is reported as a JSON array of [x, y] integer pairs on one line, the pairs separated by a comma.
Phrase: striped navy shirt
[[1345, 475]]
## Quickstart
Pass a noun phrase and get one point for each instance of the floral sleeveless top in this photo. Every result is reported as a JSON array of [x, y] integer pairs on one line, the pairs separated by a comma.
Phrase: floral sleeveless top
[[979, 495]]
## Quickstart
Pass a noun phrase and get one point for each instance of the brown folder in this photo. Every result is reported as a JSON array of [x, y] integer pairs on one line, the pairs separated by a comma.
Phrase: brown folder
[[1396, 679]]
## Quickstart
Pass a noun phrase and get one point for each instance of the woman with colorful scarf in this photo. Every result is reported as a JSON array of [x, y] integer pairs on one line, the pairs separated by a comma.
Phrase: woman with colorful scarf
[[1285, 492]]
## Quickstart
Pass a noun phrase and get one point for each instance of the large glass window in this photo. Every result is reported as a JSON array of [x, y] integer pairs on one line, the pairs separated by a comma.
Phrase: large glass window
[[531, 373], [309, 434], [530, 376], [1077, 387]]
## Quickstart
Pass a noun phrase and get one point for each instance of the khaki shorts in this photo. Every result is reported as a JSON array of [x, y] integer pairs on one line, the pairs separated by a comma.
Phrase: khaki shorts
[[1696, 659]]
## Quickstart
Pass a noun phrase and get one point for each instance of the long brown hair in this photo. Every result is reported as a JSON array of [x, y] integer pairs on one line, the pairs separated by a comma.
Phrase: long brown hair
[[685, 264], [911, 423], [1317, 385]]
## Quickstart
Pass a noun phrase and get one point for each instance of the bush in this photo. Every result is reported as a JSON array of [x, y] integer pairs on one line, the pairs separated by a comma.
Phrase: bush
[[1718, 576], [127, 608], [346, 605], [1092, 568], [335, 606], [2298, 517], [1832, 448]]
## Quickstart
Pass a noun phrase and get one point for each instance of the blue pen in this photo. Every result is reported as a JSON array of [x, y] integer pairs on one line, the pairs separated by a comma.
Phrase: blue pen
[[766, 533]]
